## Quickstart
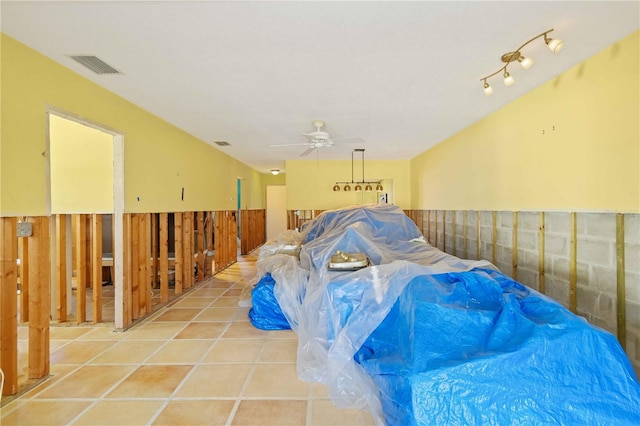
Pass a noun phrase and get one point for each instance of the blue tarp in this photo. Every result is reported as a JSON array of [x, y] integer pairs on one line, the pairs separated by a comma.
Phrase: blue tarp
[[479, 348], [265, 312], [422, 337]]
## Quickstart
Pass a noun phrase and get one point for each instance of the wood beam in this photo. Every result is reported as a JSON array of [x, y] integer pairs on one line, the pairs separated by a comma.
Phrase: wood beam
[[9, 304], [96, 266], [61, 267], [164, 257], [39, 297], [81, 265]]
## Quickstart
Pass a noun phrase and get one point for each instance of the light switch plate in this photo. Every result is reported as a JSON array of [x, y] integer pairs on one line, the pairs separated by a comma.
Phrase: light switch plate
[[25, 229]]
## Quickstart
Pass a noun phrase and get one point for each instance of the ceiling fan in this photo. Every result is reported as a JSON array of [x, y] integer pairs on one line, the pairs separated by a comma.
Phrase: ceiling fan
[[317, 139]]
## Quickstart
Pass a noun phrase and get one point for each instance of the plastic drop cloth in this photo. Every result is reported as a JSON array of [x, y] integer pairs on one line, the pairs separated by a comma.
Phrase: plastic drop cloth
[[422, 337]]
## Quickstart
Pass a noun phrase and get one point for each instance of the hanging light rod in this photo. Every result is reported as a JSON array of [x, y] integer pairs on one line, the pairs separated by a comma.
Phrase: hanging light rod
[[554, 45], [358, 184]]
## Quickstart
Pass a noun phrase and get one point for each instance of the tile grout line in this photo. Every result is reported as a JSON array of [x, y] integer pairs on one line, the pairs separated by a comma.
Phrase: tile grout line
[[193, 369], [234, 410]]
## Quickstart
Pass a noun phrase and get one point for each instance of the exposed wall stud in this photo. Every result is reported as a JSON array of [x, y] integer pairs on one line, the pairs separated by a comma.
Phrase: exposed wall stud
[[81, 283], [9, 304], [573, 300], [39, 298], [24, 279], [465, 253], [541, 266], [436, 228], [61, 267], [96, 255], [620, 281], [494, 236], [453, 232], [164, 257], [514, 247], [177, 223], [478, 241], [127, 270]]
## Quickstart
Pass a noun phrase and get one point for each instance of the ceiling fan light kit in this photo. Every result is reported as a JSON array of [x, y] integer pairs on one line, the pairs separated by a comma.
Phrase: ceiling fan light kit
[[554, 45], [358, 187]]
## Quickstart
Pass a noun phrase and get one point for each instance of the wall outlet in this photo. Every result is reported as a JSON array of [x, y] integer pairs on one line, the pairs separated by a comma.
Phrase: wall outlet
[[25, 229]]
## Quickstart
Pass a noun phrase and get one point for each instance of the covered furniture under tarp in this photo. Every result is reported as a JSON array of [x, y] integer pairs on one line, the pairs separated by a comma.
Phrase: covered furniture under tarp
[[423, 337]]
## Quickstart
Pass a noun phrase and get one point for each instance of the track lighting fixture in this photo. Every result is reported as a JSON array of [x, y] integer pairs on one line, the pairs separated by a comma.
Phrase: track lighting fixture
[[358, 186], [554, 45]]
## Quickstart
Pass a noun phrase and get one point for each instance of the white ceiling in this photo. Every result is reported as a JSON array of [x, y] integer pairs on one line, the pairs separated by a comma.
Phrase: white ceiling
[[403, 76]]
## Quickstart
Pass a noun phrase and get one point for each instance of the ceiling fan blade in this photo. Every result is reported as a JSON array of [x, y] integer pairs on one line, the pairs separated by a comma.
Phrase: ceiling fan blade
[[310, 136], [344, 141], [289, 144], [308, 151]]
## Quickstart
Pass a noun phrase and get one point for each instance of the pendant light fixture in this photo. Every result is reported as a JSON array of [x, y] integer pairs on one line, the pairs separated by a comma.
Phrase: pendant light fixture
[[358, 184]]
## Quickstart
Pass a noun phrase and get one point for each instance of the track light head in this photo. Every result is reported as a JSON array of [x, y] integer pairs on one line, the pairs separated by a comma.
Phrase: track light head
[[525, 63], [508, 79], [488, 90], [554, 44]]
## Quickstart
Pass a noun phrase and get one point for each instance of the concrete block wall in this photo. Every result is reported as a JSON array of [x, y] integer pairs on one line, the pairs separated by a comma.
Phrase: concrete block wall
[[596, 260]]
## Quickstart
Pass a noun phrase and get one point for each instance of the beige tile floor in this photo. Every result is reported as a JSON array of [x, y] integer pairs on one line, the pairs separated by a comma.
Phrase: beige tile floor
[[196, 361]]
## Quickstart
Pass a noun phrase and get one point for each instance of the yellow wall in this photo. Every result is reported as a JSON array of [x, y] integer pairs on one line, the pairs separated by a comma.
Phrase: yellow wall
[[160, 159], [310, 183], [588, 157], [81, 168]]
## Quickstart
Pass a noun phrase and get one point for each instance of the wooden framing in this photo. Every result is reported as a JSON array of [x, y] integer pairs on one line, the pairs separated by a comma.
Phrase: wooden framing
[[209, 235], [200, 244], [429, 226], [453, 232], [621, 298], [444, 231], [494, 236], [127, 269], [253, 230], [465, 252], [144, 279], [135, 265], [435, 231], [225, 240], [96, 255], [478, 241], [541, 261], [573, 276], [164, 256], [9, 304], [81, 275], [23, 248], [61, 267], [514, 248], [39, 297], [147, 288], [178, 235], [188, 269], [154, 251]]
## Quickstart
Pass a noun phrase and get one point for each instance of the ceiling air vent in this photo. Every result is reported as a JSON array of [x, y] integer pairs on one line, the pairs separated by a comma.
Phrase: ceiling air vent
[[95, 64], [222, 143]]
